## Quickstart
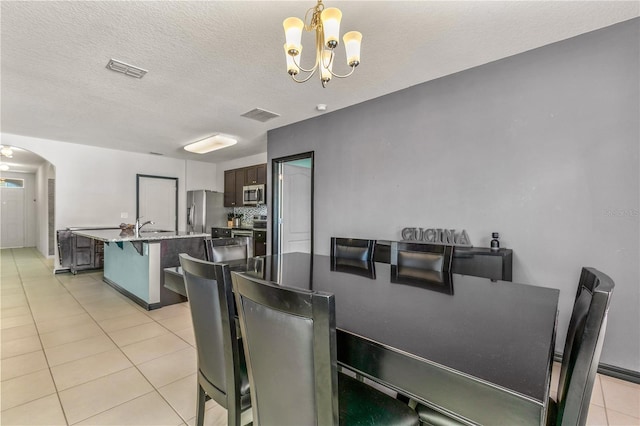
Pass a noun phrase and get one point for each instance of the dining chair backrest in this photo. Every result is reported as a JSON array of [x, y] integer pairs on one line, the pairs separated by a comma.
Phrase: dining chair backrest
[[290, 346], [352, 248], [228, 249], [583, 346], [219, 352], [411, 258]]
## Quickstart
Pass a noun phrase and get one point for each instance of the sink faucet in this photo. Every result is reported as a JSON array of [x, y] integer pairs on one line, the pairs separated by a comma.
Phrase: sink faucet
[[138, 226]]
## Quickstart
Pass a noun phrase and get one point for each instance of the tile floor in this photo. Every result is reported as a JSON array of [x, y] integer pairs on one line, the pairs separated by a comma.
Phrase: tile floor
[[76, 352]]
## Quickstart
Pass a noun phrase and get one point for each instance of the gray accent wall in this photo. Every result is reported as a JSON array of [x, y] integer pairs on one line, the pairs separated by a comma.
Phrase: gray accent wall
[[542, 147]]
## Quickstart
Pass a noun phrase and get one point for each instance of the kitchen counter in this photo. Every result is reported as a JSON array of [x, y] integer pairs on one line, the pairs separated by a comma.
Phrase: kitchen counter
[[117, 235], [134, 264]]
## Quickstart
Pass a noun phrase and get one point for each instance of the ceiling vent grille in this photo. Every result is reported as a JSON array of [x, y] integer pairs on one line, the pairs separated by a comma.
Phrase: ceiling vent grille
[[259, 114], [126, 69]]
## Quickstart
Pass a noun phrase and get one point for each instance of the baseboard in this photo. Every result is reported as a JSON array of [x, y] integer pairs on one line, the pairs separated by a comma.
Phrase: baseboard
[[130, 295], [611, 371]]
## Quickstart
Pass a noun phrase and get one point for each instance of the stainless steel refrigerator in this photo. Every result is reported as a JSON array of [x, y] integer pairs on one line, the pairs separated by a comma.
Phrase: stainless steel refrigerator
[[205, 209]]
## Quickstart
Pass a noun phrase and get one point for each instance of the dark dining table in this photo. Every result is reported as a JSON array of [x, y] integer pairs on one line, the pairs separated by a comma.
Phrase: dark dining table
[[478, 350]]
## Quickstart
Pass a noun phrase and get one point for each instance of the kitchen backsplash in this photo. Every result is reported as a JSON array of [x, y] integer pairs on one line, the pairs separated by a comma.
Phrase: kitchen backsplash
[[248, 213]]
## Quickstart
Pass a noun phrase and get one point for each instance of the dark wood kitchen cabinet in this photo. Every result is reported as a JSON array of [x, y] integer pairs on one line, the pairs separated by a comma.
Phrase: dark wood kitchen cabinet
[[79, 253], [235, 179], [259, 242], [220, 233], [233, 183], [256, 175]]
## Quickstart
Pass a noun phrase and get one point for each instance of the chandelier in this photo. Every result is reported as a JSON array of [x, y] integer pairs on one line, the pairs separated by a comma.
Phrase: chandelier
[[326, 24]]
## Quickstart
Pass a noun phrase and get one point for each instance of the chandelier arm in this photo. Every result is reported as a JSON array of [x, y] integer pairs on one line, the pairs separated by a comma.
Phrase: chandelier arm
[[312, 70], [353, 68], [304, 80]]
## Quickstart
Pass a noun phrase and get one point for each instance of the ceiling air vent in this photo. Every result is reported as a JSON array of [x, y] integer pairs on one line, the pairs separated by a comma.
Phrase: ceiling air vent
[[126, 69], [260, 115]]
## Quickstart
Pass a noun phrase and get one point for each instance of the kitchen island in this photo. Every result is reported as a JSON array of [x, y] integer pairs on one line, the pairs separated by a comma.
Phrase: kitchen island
[[134, 263]]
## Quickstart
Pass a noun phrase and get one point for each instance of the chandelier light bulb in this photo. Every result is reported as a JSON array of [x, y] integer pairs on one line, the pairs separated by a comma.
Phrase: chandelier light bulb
[[293, 35], [352, 41], [326, 65], [331, 18], [292, 68]]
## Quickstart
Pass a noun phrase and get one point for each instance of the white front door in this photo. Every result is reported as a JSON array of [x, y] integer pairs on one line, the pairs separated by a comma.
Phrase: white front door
[[296, 209], [157, 202], [12, 217]]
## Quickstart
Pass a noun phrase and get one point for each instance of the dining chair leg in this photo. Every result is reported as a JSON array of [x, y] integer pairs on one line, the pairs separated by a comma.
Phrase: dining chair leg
[[201, 399]]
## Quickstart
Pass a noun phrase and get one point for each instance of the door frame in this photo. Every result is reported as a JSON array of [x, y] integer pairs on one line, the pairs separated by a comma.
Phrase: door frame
[[138, 176], [276, 196]]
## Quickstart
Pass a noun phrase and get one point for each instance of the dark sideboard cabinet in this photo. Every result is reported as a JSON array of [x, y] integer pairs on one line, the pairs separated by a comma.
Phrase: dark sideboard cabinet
[[483, 262], [475, 261]]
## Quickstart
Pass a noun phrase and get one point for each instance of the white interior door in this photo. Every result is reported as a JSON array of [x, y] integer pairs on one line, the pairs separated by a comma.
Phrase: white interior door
[[157, 202], [12, 215], [296, 209]]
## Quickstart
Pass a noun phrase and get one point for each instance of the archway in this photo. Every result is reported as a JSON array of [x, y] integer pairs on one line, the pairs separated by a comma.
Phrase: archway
[[27, 182]]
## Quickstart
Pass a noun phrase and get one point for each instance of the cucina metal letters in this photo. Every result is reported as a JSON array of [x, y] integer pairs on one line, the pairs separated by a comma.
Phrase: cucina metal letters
[[437, 236]]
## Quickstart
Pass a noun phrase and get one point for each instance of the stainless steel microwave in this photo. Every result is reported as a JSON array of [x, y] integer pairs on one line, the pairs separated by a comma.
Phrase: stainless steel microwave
[[253, 195]]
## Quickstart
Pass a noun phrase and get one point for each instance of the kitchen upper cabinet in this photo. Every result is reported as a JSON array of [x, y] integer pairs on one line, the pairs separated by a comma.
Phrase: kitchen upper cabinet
[[229, 188], [235, 179], [233, 183], [256, 175]]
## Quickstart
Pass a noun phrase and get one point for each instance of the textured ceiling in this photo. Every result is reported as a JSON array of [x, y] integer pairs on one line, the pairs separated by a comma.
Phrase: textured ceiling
[[210, 62]]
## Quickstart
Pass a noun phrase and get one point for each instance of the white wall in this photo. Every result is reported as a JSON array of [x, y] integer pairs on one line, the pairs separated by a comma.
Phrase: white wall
[[42, 204], [200, 175], [95, 185], [542, 147]]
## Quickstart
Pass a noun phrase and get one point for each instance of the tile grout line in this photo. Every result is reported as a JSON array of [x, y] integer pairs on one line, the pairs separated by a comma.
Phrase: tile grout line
[[57, 392], [64, 414], [131, 361]]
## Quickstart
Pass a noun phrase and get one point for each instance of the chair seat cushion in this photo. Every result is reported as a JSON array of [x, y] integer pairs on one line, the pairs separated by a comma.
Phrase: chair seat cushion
[[361, 404], [431, 417]]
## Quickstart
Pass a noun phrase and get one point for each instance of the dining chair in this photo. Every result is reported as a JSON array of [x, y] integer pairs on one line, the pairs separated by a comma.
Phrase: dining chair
[[582, 348], [417, 259], [227, 249], [352, 248], [290, 347], [354, 267], [580, 357], [222, 373]]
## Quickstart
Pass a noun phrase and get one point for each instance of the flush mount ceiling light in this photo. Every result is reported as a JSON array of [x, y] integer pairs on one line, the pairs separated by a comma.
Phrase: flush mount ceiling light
[[6, 151], [126, 69], [4, 167], [210, 144], [326, 24]]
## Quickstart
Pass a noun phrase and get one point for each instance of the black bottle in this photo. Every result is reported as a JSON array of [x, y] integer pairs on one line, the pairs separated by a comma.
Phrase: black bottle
[[495, 244]]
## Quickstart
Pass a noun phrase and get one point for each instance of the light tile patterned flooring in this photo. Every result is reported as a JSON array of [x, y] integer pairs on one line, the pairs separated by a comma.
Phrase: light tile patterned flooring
[[76, 352]]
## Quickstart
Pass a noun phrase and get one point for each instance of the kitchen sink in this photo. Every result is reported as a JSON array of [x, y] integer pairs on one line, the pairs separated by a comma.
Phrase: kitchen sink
[[155, 231]]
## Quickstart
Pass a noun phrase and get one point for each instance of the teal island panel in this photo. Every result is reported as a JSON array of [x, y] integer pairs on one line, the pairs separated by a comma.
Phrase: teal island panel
[[127, 268]]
